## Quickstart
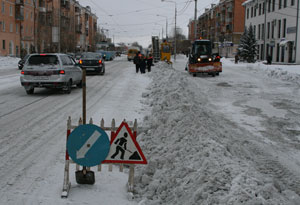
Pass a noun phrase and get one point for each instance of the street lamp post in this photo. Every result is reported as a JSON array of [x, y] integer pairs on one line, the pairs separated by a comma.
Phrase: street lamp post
[[175, 26], [166, 25]]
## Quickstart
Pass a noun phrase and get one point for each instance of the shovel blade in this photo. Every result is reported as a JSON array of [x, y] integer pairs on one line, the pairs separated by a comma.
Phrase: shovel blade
[[88, 178]]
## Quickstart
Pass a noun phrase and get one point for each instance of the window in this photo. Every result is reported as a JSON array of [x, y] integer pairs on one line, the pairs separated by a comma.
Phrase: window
[[268, 32], [254, 31], [279, 29], [10, 10], [269, 6], [284, 3], [11, 28], [252, 12], [263, 31], [10, 48], [273, 27], [259, 10], [31, 16], [292, 2], [284, 28], [263, 10], [258, 35], [278, 50], [282, 53], [17, 28], [273, 5], [279, 4], [3, 44], [247, 13], [3, 7], [255, 8], [3, 26]]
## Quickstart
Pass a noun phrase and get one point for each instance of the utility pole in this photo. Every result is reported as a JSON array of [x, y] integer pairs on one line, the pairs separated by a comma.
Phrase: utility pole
[[59, 19], [195, 21], [175, 32]]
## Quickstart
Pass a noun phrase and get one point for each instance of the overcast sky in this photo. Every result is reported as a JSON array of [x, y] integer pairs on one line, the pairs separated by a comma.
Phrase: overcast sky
[[136, 20]]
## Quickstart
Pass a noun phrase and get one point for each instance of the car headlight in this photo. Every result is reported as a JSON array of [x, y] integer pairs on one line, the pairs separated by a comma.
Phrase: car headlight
[[199, 59], [209, 59]]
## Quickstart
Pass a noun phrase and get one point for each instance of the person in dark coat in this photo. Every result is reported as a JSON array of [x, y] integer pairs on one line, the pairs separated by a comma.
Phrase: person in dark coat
[[269, 59], [236, 58], [143, 64], [137, 61], [149, 62]]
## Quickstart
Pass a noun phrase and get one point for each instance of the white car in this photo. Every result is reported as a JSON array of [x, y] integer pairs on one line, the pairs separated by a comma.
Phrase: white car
[[51, 70]]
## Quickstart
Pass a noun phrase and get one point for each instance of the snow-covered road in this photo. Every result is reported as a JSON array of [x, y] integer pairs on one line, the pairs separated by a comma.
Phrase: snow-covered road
[[231, 139], [33, 128]]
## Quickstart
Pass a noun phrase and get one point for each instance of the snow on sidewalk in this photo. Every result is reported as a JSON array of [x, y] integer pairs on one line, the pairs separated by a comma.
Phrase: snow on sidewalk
[[9, 62]]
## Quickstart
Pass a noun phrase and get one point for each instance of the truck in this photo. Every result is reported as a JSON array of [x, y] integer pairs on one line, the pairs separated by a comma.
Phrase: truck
[[132, 51], [155, 48], [202, 60]]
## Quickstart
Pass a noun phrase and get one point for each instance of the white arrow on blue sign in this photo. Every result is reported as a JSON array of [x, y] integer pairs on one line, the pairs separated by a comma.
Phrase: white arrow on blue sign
[[88, 145]]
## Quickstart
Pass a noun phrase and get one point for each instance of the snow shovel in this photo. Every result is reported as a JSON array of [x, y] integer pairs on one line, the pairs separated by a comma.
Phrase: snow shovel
[[84, 176]]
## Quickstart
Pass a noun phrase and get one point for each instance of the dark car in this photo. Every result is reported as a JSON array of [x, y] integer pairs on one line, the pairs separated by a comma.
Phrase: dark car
[[92, 62], [22, 62]]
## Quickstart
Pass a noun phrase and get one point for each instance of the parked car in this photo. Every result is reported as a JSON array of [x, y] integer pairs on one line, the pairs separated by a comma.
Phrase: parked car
[[107, 55], [22, 62], [92, 62], [50, 71]]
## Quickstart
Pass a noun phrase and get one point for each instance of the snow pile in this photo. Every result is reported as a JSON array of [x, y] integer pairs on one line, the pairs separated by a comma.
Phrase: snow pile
[[196, 156], [9, 62], [289, 73]]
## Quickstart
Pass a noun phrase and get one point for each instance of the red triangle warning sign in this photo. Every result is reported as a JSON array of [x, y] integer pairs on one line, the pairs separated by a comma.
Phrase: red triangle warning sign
[[124, 148]]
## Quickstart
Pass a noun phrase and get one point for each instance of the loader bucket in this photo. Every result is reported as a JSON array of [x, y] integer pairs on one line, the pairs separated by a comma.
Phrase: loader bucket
[[85, 177]]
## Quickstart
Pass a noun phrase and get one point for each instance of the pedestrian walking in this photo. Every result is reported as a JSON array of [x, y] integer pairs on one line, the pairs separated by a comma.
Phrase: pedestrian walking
[[149, 62], [137, 61], [143, 64], [236, 58]]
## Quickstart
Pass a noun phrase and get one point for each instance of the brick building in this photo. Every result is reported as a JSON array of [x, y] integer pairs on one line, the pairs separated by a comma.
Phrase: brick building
[[28, 26], [223, 24]]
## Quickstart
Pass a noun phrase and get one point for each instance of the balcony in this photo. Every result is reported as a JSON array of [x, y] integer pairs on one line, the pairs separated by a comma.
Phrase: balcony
[[19, 12], [77, 10], [228, 19], [78, 28], [229, 9], [20, 2], [65, 4]]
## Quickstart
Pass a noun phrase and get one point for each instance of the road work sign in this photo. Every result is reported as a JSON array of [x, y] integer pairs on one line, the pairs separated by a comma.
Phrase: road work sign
[[88, 145], [124, 148]]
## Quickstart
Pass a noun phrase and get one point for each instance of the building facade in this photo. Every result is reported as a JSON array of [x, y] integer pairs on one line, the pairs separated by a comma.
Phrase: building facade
[[16, 26], [276, 28], [223, 24], [28, 26]]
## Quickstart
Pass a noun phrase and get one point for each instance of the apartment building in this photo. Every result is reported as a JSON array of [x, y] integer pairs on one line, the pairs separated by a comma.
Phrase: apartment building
[[223, 24], [16, 26], [276, 28], [28, 26]]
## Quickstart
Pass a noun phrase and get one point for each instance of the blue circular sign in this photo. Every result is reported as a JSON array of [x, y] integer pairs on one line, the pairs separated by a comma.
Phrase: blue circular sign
[[88, 145]]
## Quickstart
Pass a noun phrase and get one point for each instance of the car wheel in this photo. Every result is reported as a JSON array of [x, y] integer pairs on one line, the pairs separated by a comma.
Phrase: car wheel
[[79, 85], [217, 73], [68, 87], [30, 91]]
